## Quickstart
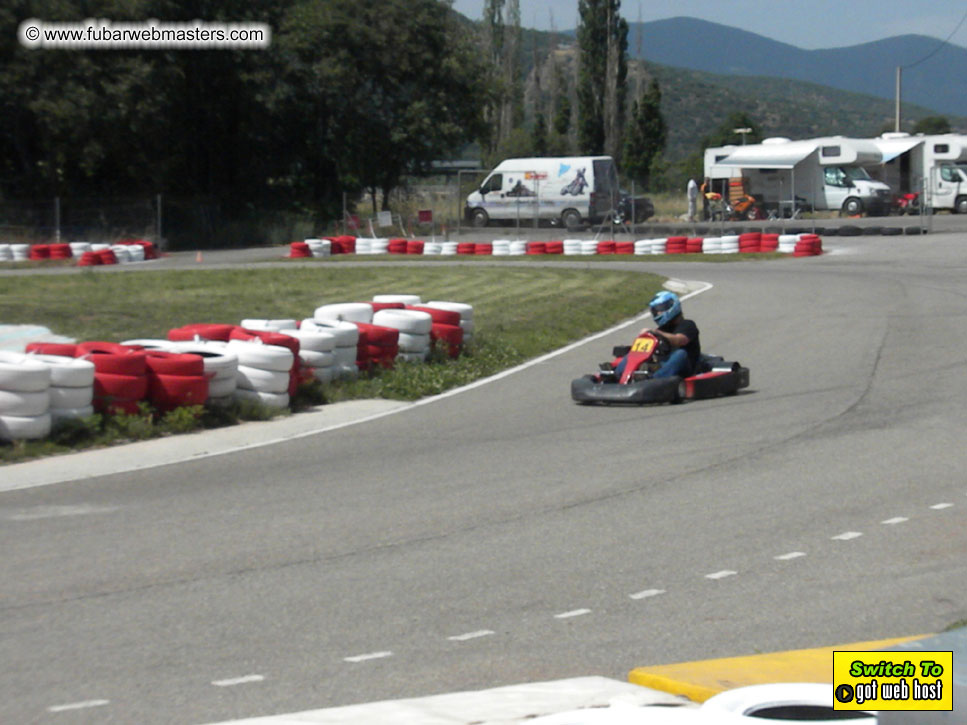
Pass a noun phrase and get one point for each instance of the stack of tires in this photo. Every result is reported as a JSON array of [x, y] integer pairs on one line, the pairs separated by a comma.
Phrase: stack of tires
[[712, 245], [770, 242], [175, 379], [267, 337], [71, 386], [808, 246], [6, 254], [346, 339], [750, 242], [787, 243], [319, 247], [445, 330], [20, 252], [730, 244], [268, 325], [220, 365], [464, 310], [263, 373], [24, 397], [694, 245], [676, 245], [315, 352], [201, 331], [39, 251], [79, 248], [120, 375], [414, 332], [378, 345]]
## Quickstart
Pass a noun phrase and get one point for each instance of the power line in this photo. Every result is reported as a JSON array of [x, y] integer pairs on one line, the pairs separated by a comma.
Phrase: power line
[[939, 47]]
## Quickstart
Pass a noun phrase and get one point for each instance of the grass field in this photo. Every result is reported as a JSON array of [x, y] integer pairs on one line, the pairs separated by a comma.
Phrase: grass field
[[519, 313]]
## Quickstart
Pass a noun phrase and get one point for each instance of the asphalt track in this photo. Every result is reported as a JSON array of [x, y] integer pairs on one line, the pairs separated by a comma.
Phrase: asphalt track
[[506, 535]]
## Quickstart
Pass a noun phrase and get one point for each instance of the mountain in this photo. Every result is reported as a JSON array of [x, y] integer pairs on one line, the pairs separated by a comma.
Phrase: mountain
[[936, 83]]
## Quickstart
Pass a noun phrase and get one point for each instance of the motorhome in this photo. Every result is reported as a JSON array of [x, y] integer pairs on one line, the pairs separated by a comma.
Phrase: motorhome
[[786, 176], [933, 166], [571, 190]]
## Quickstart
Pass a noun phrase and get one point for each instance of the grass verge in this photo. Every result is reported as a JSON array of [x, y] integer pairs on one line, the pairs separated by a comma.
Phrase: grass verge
[[520, 312]]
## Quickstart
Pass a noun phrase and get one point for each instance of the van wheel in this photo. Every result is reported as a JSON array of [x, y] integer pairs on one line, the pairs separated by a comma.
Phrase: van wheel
[[571, 219], [479, 218], [852, 206], [960, 206]]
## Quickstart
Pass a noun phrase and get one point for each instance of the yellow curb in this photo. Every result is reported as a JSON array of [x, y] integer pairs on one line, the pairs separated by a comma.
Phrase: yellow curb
[[701, 679]]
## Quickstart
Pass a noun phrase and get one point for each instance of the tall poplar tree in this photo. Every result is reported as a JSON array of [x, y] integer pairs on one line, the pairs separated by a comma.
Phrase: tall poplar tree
[[602, 76]]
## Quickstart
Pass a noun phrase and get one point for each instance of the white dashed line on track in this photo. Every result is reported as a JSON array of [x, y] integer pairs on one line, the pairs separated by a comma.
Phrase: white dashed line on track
[[78, 705], [238, 681], [647, 593], [895, 520], [572, 613], [370, 656], [939, 506], [846, 536], [721, 574], [470, 635], [791, 555]]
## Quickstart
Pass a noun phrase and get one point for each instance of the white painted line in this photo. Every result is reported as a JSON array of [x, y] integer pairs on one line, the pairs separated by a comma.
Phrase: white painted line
[[78, 705], [895, 520], [572, 613], [846, 536], [647, 593], [470, 635], [238, 681], [370, 656], [721, 574], [789, 556], [938, 506], [51, 512]]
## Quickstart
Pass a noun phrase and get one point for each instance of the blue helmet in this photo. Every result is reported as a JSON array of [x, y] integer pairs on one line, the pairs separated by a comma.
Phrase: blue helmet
[[665, 307]]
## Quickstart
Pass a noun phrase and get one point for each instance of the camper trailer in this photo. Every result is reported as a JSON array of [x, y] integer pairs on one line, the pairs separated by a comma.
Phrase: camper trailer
[[571, 190], [786, 176], [934, 166]]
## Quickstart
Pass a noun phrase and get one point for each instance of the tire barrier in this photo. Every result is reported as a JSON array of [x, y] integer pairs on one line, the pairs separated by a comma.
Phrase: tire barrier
[[270, 325], [120, 375], [220, 365], [346, 336], [262, 368], [71, 385], [345, 311], [275, 339], [808, 245], [175, 379], [315, 351], [201, 331], [464, 310], [24, 397], [413, 327]]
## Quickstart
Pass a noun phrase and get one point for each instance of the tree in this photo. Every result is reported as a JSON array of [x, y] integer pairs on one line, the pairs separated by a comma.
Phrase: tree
[[602, 76], [932, 125], [540, 135], [646, 136]]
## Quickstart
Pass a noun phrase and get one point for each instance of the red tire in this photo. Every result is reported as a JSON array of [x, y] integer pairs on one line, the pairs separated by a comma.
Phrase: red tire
[[173, 391], [205, 331], [110, 389], [449, 335], [444, 317], [52, 348], [267, 337], [114, 359], [378, 335], [161, 362], [89, 259], [377, 306]]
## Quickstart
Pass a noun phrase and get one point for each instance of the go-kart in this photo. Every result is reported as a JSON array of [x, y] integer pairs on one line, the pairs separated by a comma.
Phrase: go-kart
[[637, 384]]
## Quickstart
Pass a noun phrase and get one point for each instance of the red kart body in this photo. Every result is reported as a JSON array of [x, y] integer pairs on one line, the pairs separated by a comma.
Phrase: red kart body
[[637, 383]]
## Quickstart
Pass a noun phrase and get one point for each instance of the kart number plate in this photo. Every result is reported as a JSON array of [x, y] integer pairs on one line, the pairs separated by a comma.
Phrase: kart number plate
[[643, 345]]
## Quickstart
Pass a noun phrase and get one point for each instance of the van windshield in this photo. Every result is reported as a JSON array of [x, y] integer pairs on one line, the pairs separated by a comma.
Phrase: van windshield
[[856, 173], [962, 168]]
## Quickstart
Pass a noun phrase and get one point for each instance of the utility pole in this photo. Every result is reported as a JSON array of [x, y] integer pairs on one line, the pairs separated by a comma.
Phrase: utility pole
[[896, 125]]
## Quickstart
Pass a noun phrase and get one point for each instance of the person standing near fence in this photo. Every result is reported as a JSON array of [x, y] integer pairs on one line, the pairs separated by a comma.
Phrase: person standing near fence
[[692, 193]]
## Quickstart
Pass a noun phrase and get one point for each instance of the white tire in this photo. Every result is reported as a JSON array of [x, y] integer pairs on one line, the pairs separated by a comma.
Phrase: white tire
[[67, 372], [64, 397], [346, 334], [22, 374], [220, 362], [270, 325], [345, 356], [415, 357], [78, 248], [15, 427], [222, 387], [272, 400], [414, 343], [412, 321], [263, 357], [398, 299], [324, 375], [6, 255], [121, 253], [151, 343], [57, 414], [24, 404], [315, 340], [315, 359], [267, 381], [20, 252], [346, 311], [136, 252]]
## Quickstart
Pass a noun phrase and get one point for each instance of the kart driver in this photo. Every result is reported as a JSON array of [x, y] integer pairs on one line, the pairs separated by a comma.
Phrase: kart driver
[[681, 334]]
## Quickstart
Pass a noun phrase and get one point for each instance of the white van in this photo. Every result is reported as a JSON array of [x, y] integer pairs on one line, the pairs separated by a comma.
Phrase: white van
[[572, 190]]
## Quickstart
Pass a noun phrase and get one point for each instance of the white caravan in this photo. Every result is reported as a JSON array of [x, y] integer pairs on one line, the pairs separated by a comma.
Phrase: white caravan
[[932, 165], [571, 190], [822, 173]]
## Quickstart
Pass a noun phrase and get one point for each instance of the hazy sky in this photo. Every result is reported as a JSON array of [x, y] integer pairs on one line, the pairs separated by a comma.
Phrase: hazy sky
[[806, 24]]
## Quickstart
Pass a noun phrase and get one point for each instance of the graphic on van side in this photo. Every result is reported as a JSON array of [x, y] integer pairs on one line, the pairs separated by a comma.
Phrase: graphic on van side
[[577, 186]]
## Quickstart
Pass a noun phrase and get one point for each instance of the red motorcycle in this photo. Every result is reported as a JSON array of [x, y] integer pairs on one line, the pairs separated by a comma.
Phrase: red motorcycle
[[907, 203]]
